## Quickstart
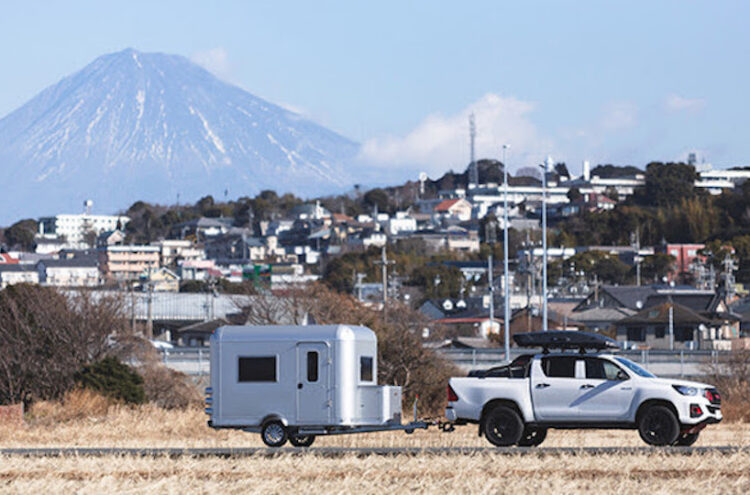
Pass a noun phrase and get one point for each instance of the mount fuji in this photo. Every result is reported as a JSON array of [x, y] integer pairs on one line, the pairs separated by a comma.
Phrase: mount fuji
[[150, 126]]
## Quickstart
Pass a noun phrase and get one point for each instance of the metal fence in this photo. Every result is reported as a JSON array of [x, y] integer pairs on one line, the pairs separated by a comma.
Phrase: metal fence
[[195, 360], [663, 363]]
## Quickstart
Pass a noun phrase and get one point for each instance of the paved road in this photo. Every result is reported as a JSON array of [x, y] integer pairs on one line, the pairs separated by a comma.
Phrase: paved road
[[364, 452]]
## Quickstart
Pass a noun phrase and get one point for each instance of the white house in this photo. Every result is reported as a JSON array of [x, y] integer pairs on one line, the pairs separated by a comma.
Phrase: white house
[[75, 227], [402, 222], [73, 272], [16, 274]]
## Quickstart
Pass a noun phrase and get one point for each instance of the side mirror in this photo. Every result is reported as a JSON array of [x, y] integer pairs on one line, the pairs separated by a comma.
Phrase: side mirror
[[621, 375]]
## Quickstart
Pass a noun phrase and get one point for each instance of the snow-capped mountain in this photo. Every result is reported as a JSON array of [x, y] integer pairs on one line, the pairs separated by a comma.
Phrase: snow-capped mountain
[[150, 126]]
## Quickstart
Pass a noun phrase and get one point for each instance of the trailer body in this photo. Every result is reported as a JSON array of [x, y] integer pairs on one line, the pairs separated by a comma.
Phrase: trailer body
[[316, 378]]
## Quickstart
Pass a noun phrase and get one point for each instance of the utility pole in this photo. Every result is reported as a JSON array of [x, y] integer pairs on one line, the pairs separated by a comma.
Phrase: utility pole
[[360, 277], [637, 258], [384, 262], [546, 166], [132, 307], [490, 237], [150, 304], [506, 316], [671, 324]]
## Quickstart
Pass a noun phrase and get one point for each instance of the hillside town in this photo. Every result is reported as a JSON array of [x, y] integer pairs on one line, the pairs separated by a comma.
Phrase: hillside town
[[180, 286]]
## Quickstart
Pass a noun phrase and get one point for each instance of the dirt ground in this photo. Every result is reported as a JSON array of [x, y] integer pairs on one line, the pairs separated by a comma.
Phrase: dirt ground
[[148, 426]]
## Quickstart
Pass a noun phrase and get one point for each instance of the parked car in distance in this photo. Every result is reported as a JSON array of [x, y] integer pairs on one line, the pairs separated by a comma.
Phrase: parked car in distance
[[571, 389]]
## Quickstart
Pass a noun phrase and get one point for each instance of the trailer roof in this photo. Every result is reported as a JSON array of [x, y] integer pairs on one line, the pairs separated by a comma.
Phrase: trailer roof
[[231, 333]]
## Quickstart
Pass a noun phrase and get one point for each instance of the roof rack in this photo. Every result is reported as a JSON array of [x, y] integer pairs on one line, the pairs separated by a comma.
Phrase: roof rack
[[565, 340]]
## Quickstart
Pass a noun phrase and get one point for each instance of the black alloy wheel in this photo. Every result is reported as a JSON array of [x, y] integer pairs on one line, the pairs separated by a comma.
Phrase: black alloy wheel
[[503, 426], [532, 437], [658, 426], [274, 434], [687, 439], [302, 440]]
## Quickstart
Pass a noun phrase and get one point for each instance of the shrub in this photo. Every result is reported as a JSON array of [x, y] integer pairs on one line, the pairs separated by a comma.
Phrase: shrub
[[168, 388], [113, 379], [732, 377]]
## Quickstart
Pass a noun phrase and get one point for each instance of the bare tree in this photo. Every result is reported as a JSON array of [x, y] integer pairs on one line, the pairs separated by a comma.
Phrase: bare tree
[[46, 336]]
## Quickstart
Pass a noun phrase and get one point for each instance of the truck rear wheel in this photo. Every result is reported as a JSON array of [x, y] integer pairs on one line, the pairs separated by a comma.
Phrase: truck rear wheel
[[274, 434], [302, 440], [687, 439], [532, 437], [503, 426], [658, 426]]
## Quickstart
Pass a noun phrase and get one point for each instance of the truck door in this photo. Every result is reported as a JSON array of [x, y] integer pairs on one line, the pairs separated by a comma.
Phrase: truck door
[[555, 388], [313, 383], [609, 392]]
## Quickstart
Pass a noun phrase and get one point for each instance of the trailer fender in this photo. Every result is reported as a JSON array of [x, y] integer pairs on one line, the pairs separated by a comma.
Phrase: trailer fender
[[274, 417]]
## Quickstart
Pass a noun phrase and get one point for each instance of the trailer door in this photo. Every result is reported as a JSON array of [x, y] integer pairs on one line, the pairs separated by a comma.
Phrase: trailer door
[[313, 383]]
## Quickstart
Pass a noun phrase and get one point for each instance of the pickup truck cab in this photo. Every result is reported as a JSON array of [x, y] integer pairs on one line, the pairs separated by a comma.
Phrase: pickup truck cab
[[517, 403]]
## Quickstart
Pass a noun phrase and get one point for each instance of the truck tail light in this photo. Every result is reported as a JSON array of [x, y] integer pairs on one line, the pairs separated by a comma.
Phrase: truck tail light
[[452, 397]]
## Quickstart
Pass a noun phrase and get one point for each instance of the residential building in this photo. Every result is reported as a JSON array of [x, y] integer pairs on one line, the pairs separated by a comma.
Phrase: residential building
[[459, 209], [75, 228], [127, 262], [14, 273], [649, 328], [173, 250], [235, 247], [402, 222], [198, 270], [81, 271], [684, 254], [161, 280], [201, 228]]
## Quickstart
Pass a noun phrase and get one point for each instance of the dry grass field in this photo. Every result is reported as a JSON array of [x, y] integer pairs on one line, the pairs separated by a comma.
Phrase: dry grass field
[[94, 424]]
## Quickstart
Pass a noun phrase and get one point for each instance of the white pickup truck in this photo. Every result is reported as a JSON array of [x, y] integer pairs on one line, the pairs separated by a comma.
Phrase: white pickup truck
[[517, 403]]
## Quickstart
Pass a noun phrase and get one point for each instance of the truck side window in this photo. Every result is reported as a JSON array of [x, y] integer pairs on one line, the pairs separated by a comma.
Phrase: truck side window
[[312, 366], [365, 369], [257, 369], [559, 366], [601, 369]]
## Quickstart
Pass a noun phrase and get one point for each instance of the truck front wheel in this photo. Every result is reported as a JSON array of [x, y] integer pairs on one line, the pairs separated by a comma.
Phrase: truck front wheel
[[503, 426], [274, 434], [658, 426]]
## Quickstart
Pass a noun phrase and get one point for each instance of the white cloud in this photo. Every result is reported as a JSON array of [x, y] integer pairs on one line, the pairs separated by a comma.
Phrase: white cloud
[[439, 142], [214, 60], [619, 115], [677, 103]]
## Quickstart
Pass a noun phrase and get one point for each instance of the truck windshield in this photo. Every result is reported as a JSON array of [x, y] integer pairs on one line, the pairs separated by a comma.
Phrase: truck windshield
[[635, 368]]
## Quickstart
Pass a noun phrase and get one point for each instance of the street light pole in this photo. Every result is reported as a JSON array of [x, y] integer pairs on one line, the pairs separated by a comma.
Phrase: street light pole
[[506, 316]]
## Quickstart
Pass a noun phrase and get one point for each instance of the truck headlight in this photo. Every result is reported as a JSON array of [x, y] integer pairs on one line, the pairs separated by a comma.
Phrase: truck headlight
[[684, 390]]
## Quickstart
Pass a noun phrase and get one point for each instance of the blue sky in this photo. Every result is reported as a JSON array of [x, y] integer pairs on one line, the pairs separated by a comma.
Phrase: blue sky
[[623, 83]]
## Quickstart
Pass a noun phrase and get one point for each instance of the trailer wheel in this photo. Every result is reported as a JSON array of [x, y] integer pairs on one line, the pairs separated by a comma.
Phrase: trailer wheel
[[274, 434], [503, 426], [302, 440]]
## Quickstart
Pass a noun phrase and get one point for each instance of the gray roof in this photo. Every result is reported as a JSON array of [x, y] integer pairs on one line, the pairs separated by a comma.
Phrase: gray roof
[[602, 314], [77, 262]]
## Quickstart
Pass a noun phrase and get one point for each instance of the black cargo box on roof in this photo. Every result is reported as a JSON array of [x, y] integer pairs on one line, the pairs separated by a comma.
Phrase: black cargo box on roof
[[564, 339]]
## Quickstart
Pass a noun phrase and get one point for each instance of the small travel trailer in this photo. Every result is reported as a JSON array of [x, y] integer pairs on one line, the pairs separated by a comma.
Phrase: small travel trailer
[[296, 382]]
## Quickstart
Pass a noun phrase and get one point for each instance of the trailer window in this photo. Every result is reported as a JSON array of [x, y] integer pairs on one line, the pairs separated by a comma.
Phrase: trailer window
[[257, 369], [312, 366], [365, 369]]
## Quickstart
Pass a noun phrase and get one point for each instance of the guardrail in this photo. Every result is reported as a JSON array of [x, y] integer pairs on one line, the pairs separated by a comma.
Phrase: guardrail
[[196, 360], [665, 363]]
